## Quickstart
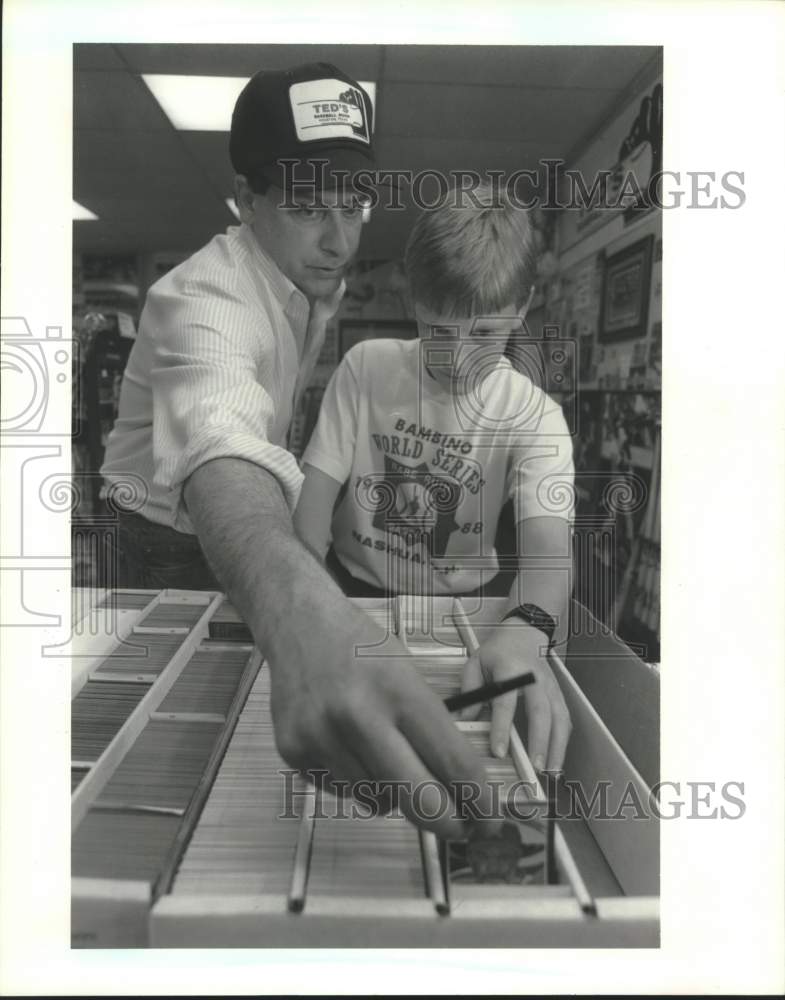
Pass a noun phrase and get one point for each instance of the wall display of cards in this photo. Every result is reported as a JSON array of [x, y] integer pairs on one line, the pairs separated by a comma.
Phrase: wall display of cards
[[625, 292]]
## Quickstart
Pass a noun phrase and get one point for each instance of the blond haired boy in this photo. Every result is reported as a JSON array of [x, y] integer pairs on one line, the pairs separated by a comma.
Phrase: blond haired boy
[[420, 443]]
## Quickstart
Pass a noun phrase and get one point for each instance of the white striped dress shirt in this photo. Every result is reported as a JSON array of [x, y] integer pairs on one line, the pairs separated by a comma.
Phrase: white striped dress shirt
[[226, 344]]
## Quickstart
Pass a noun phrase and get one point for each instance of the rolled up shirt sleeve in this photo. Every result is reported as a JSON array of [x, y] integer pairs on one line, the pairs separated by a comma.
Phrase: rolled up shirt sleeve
[[219, 387]]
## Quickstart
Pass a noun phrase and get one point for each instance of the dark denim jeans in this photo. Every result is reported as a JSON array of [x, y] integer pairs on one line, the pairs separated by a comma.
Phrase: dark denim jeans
[[151, 555]]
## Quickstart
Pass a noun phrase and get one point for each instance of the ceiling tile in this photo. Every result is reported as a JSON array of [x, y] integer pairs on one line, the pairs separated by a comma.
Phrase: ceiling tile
[[549, 66], [211, 151], [115, 101], [488, 113], [360, 61], [93, 56], [502, 108], [139, 165], [608, 66]]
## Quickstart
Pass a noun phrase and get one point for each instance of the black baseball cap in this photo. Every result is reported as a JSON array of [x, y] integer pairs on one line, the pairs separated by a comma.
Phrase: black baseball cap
[[307, 113]]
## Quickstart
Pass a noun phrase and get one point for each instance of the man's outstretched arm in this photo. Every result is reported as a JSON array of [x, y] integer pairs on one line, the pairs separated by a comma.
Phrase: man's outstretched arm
[[356, 716]]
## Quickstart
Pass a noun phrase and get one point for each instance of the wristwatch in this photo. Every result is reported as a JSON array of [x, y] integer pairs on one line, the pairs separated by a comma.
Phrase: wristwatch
[[536, 617]]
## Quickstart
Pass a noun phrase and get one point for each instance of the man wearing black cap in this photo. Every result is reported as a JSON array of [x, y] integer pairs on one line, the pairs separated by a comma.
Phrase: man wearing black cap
[[226, 342]]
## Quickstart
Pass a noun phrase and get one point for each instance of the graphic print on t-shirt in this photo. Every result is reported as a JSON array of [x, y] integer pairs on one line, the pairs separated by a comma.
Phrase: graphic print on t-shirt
[[415, 502]]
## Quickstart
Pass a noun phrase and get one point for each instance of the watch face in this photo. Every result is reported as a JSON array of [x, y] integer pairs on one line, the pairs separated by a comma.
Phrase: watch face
[[538, 618], [534, 613]]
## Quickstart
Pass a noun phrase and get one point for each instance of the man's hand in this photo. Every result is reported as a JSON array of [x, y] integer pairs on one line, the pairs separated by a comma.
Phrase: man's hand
[[336, 706], [512, 648]]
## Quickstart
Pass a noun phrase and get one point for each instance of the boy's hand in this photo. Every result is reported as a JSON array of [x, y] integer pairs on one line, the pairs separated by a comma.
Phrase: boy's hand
[[509, 649]]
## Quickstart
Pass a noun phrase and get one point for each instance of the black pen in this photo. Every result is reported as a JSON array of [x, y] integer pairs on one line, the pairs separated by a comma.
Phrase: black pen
[[487, 692]]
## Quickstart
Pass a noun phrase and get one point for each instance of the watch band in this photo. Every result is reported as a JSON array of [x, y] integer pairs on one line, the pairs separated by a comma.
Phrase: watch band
[[536, 617]]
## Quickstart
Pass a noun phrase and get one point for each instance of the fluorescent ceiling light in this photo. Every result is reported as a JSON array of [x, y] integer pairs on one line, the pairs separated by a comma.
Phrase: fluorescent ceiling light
[[196, 103], [204, 103], [80, 213], [232, 207]]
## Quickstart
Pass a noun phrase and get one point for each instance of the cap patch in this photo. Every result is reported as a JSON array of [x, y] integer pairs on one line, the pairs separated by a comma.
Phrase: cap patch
[[328, 109]]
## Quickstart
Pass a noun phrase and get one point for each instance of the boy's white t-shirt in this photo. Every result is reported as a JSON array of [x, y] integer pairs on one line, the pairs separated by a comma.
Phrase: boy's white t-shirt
[[427, 472]]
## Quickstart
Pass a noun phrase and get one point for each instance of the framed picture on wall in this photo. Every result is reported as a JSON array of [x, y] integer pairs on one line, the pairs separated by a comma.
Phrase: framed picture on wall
[[352, 331], [625, 292]]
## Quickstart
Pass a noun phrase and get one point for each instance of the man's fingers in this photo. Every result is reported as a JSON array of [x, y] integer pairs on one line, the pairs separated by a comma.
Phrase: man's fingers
[[472, 678], [444, 750], [502, 714], [389, 757], [538, 715], [340, 771], [347, 777]]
